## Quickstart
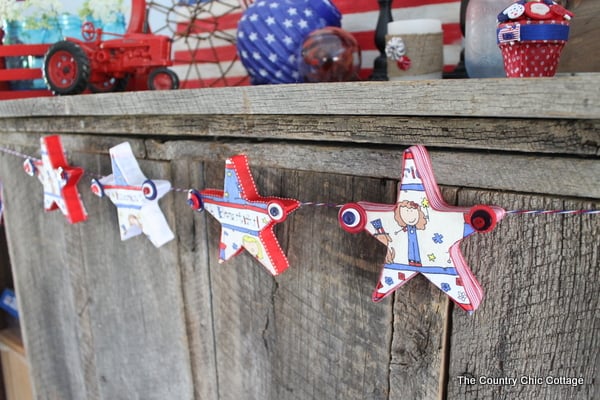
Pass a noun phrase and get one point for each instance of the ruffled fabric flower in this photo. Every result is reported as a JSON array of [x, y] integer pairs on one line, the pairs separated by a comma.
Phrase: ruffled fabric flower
[[395, 49]]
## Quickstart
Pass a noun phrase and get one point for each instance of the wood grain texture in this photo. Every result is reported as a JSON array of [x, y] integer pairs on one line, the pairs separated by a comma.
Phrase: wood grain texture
[[98, 315], [500, 171], [43, 286], [539, 317], [15, 370], [136, 304], [581, 51], [558, 136], [105, 319], [332, 341], [311, 333], [579, 98], [241, 301], [192, 243], [419, 348]]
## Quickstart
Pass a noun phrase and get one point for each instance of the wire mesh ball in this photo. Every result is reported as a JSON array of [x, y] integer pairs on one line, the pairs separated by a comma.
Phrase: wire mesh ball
[[330, 54], [271, 33]]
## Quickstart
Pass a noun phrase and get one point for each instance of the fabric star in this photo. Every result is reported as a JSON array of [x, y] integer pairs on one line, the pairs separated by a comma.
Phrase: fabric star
[[407, 229], [59, 180], [135, 196], [247, 219]]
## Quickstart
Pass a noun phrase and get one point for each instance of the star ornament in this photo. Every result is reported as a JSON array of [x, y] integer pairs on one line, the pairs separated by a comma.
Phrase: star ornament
[[135, 196], [422, 233], [58, 178], [247, 219]]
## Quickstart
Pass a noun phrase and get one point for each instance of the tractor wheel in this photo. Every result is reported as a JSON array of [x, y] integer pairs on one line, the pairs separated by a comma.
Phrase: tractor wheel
[[162, 79], [66, 68], [110, 85]]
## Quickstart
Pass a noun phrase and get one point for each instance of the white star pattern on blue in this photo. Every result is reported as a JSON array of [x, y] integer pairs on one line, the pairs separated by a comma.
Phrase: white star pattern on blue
[[269, 32]]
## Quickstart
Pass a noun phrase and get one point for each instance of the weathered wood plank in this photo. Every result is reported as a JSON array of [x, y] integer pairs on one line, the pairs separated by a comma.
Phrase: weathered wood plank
[[241, 301], [136, 304], [195, 279], [539, 317], [71, 143], [579, 98], [44, 287], [583, 39], [323, 304], [311, 333], [125, 319], [101, 321], [558, 136], [419, 347], [498, 171]]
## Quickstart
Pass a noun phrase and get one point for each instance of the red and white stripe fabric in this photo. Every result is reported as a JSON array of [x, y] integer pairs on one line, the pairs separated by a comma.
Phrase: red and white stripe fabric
[[205, 53], [360, 18]]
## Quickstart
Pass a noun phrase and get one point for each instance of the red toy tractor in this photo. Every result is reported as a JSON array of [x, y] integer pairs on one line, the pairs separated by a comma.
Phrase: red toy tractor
[[72, 66]]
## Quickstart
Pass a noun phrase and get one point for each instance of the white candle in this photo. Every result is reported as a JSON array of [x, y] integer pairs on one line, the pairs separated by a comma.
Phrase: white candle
[[424, 63], [414, 27]]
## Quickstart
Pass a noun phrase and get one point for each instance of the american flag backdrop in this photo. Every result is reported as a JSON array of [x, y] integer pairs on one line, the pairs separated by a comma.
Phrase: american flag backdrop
[[204, 35]]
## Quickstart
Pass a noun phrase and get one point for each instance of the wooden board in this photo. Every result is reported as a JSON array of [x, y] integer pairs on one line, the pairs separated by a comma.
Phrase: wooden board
[[15, 370], [501, 171], [43, 284], [311, 332], [105, 319], [548, 136], [581, 51], [572, 98], [192, 242], [539, 318], [101, 318]]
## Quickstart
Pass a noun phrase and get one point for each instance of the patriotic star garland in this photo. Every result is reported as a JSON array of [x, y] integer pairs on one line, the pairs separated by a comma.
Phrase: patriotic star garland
[[247, 218]]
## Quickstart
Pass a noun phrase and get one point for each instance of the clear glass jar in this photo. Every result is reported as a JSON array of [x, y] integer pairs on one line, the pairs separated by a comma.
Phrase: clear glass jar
[[483, 58]]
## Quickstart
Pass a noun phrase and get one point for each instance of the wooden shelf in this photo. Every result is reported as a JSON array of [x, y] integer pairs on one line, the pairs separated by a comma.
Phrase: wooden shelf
[[570, 97], [109, 319]]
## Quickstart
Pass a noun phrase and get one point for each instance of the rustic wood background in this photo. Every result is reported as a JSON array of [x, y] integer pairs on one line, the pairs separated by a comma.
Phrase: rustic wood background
[[581, 51], [105, 319]]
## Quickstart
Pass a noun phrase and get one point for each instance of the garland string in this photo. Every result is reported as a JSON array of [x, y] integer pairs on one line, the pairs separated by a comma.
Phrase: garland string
[[547, 212], [16, 153], [334, 205]]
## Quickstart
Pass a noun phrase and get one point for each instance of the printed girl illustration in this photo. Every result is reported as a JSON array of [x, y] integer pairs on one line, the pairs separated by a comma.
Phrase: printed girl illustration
[[409, 216], [252, 244], [134, 228]]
